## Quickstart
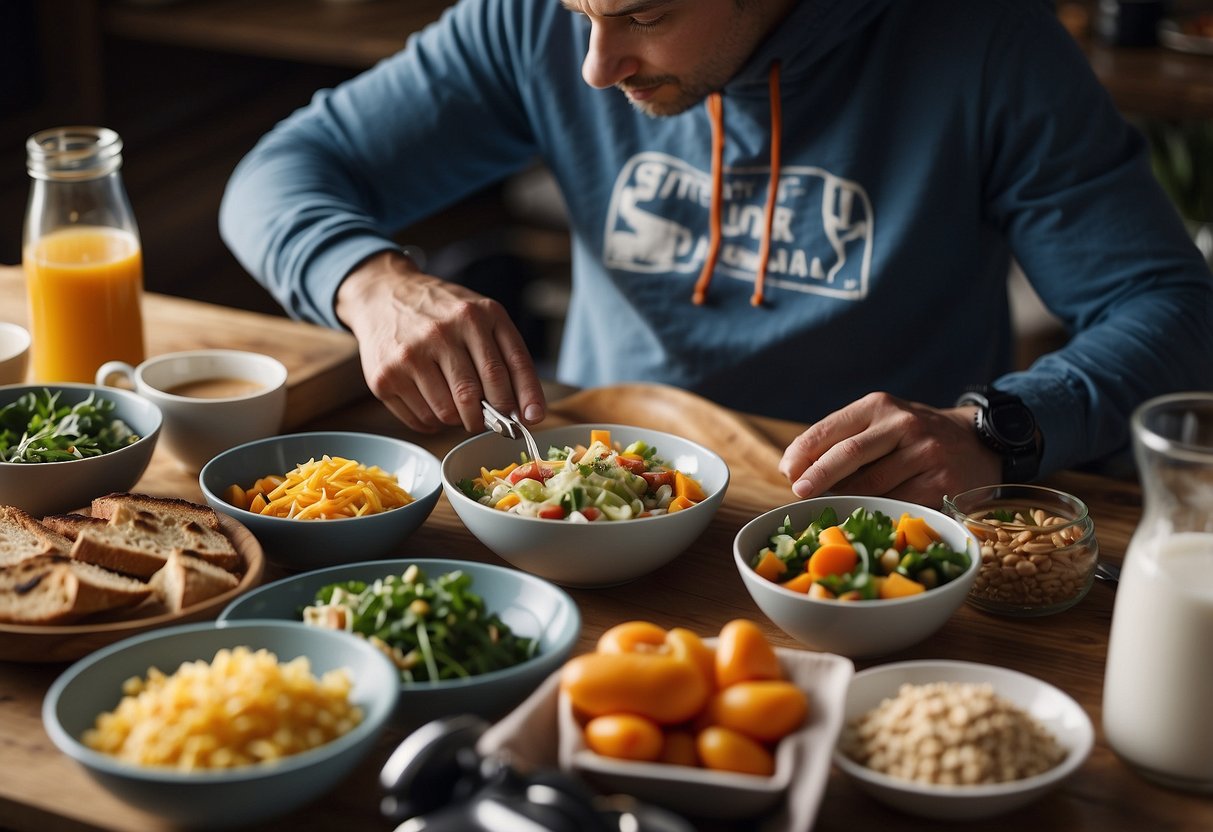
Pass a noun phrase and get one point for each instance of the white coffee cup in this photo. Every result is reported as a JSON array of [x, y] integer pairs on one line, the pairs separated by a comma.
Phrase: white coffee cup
[[14, 353], [212, 400]]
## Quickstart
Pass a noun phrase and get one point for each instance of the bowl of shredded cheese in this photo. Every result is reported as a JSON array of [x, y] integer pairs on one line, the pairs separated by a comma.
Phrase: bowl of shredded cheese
[[223, 725], [325, 498]]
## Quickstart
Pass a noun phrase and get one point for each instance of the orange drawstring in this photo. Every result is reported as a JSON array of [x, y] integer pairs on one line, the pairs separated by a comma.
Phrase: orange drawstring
[[715, 106], [764, 250]]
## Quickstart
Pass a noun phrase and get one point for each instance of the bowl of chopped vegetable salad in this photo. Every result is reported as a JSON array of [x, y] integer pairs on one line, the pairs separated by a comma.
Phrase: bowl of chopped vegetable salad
[[465, 637], [857, 576], [61, 445], [606, 505]]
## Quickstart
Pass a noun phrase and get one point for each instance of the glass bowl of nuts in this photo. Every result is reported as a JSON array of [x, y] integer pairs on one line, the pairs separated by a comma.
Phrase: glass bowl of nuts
[[1038, 548]]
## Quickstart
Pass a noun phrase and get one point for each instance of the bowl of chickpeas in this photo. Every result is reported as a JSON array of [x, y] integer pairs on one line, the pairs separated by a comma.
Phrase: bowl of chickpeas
[[952, 740], [216, 726], [1038, 548]]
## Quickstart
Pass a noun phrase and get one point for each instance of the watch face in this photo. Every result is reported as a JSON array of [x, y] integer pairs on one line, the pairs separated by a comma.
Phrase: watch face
[[1013, 424]]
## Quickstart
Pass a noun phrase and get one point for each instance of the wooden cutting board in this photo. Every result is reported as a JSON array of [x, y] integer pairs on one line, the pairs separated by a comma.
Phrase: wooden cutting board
[[322, 365]]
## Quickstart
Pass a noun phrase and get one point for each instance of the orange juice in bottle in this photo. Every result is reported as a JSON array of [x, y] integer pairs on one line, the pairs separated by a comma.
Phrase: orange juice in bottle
[[82, 258]]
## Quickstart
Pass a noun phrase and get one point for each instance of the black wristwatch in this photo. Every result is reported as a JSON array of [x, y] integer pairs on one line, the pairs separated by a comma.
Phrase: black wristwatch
[[1006, 425]]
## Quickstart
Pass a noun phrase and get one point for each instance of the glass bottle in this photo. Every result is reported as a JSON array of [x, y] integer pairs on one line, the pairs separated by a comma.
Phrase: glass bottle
[[1158, 683], [81, 255]]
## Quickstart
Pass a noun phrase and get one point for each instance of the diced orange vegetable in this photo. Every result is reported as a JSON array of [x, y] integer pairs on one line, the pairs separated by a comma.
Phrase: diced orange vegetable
[[770, 567], [834, 536], [258, 504], [684, 486], [913, 531], [678, 504], [897, 585], [603, 436], [235, 495], [801, 583], [832, 559]]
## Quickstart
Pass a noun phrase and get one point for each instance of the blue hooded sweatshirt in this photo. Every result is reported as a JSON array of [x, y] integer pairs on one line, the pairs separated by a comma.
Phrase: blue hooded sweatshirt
[[921, 146]]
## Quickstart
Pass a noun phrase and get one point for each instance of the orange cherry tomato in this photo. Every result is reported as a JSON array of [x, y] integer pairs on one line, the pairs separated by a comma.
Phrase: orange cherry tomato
[[726, 750], [766, 710], [666, 689], [626, 736], [743, 653]]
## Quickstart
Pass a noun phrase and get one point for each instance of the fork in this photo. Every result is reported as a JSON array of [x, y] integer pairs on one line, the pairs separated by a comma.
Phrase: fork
[[510, 427]]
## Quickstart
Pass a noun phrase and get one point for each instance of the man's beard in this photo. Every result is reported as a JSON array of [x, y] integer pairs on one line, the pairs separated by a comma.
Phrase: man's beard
[[685, 97]]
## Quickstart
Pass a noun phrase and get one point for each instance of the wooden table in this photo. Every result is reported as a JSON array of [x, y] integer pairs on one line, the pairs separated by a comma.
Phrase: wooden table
[[40, 789]]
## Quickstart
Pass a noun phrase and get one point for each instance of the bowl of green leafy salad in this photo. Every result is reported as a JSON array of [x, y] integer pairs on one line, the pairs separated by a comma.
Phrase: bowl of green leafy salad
[[857, 576], [466, 637], [63, 444]]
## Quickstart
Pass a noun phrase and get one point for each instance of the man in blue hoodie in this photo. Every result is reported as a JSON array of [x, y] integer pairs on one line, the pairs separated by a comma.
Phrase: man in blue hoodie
[[783, 205]]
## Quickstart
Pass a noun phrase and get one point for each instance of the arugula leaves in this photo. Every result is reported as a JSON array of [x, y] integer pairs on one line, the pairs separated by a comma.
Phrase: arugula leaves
[[37, 428]]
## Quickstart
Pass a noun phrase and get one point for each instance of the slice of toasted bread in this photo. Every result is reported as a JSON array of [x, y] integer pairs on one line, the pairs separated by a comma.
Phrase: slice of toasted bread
[[23, 537], [69, 525], [53, 589], [137, 543], [163, 507], [184, 580]]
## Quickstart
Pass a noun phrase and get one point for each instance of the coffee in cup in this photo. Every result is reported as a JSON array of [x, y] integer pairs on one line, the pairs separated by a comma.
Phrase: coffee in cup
[[212, 400]]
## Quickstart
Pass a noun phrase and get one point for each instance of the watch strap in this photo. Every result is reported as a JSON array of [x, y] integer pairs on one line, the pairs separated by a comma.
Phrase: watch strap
[[1006, 425]]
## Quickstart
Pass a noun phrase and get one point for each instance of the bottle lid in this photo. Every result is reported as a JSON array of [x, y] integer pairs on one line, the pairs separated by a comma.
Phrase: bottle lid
[[73, 153]]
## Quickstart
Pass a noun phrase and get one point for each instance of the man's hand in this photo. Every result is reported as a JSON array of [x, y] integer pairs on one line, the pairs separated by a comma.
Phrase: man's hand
[[431, 349], [882, 445]]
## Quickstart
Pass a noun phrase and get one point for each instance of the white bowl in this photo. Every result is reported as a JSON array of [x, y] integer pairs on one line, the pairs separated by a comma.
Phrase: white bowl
[[43, 488], [595, 554], [312, 544], [1051, 707], [854, 628]]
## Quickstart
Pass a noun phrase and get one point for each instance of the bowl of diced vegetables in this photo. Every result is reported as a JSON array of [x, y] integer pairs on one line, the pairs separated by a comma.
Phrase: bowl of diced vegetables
[[606, 505], [857, 576], [466, 637], [62, 444]]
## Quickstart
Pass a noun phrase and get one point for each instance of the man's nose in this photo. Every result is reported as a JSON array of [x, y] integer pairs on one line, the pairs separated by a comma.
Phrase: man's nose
[[608, 60]]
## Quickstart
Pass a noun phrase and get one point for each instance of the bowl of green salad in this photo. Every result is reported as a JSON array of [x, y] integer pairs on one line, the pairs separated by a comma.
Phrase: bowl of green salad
[[857, 576], [605, 505], [63, 444], [466, 637]]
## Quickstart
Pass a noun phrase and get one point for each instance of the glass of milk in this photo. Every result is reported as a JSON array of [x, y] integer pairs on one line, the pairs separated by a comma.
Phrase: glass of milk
[[1158, 685]]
